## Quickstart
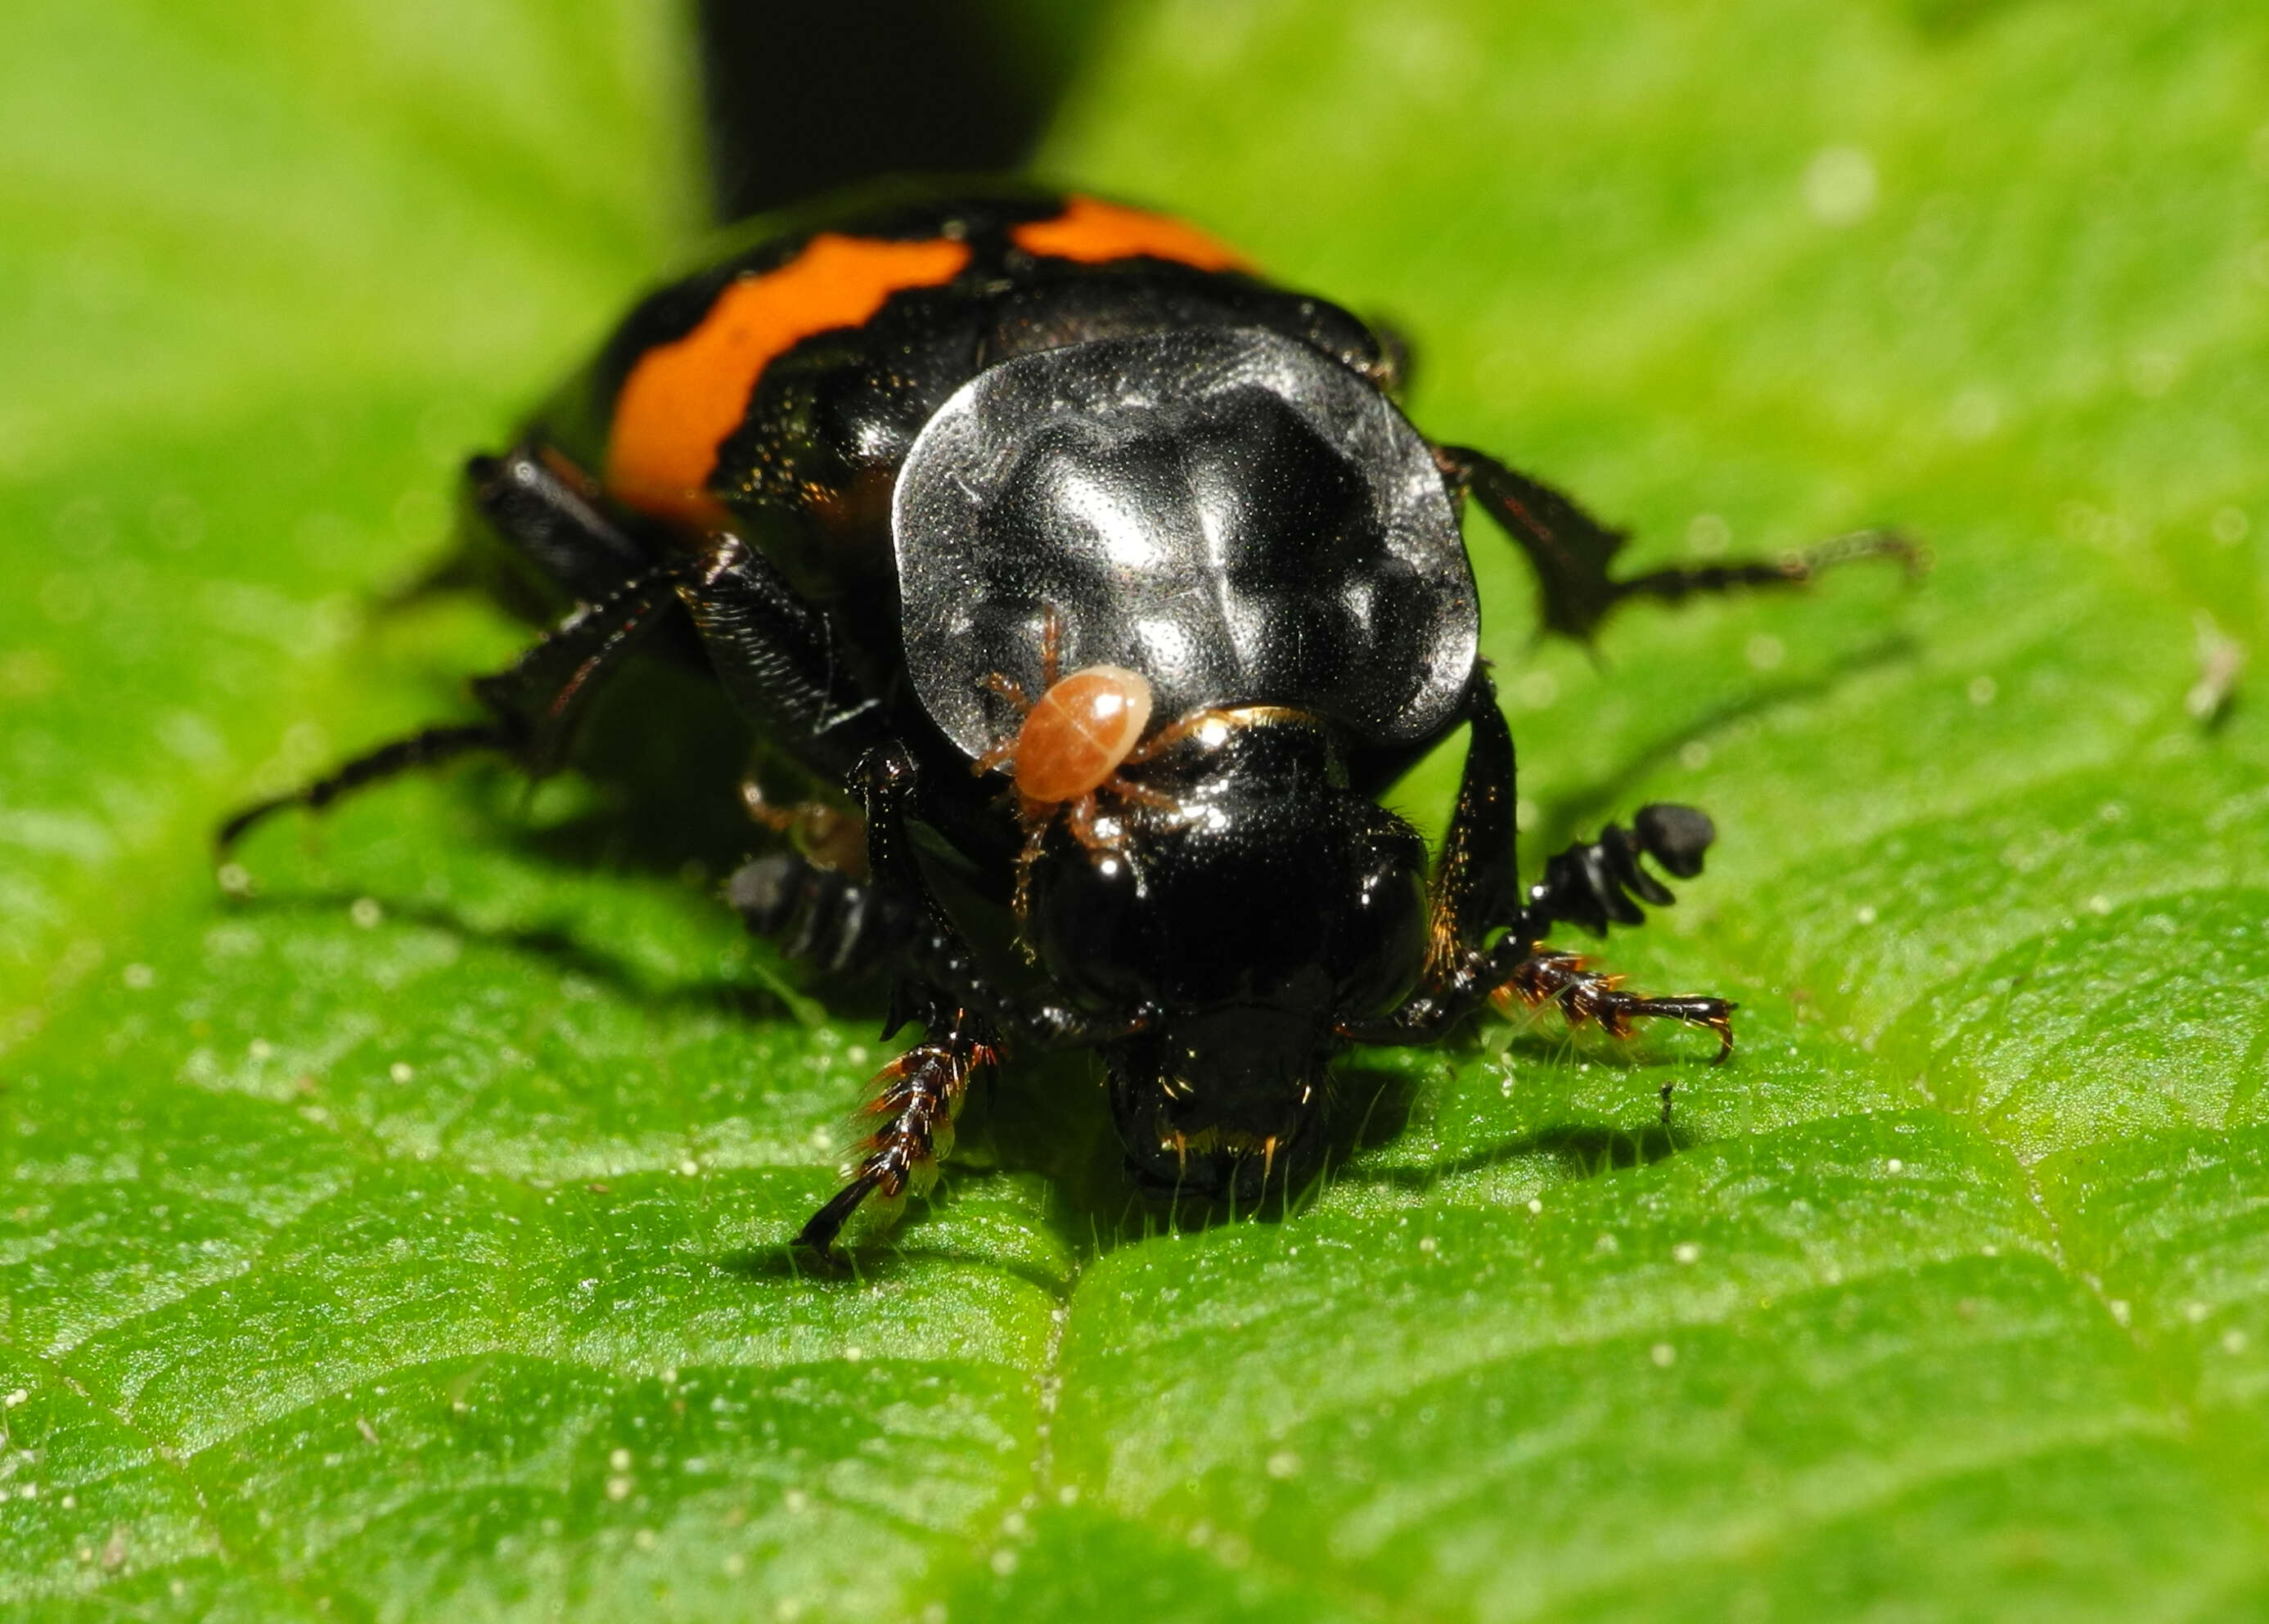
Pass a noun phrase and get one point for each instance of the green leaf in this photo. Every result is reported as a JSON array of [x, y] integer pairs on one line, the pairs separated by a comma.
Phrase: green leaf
[[405, 1240]]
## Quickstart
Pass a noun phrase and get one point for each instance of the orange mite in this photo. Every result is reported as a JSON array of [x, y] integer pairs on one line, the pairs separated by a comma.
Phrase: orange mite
[[1070, 746], [1080, 732]]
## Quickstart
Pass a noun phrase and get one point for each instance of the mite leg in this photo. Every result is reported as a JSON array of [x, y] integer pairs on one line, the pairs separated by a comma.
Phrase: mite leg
[[1052, 630], [1477, 894], [1572, 551], [549, 509], [1181, 727], [916, 1099], [535, 705]]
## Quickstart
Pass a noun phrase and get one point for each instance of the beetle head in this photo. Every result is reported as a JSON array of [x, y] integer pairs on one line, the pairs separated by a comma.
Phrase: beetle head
[[1243, 911]]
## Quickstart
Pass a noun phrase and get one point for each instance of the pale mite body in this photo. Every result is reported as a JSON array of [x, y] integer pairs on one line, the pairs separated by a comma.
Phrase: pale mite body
[[1082, 731]]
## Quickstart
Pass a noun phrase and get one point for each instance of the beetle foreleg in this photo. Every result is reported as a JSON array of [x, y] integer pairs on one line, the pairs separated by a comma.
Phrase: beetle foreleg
[[916, 1098], [1587, 995], [936, 954], [1477, 894], [1475, 890], [1592, 884]]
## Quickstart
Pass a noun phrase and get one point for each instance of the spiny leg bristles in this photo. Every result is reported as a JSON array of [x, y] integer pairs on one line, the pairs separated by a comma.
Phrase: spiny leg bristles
[[915, 1097]]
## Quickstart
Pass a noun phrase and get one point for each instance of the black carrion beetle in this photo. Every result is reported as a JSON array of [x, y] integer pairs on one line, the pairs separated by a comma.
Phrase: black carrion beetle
[[1050, 527]]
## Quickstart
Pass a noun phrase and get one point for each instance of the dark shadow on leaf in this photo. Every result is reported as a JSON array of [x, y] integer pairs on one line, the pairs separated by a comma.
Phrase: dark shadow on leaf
[[1376, 1104], [1580, 811], [877, 1262], [863, 1000], [1945, 22], [1372, 1108], [665, 753], [1580, 1151]]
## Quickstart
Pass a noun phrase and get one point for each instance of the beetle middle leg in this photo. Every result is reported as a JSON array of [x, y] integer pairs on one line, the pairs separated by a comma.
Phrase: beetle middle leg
[[774, 652], [1572, 551], [533, 705], [549, 511]]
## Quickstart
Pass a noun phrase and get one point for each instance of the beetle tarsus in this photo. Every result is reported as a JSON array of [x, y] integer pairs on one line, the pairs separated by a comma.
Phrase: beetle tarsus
[[916, 1096], [426, 748], [1587, 995], [1797, 567], [820, 1230]]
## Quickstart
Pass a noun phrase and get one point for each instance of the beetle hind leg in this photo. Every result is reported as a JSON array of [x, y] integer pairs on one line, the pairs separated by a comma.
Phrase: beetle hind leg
[[429, 748], [551, 511], [1799, 566], [1573, 552], [534, 706]]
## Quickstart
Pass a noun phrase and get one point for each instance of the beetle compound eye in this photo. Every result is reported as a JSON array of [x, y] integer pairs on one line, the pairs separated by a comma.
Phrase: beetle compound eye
[[1378, 951], [1080, 731]]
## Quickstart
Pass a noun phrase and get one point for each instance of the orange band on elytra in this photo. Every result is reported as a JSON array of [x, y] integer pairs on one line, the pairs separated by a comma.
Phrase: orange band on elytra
[[1092, 232], [682, 398]]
